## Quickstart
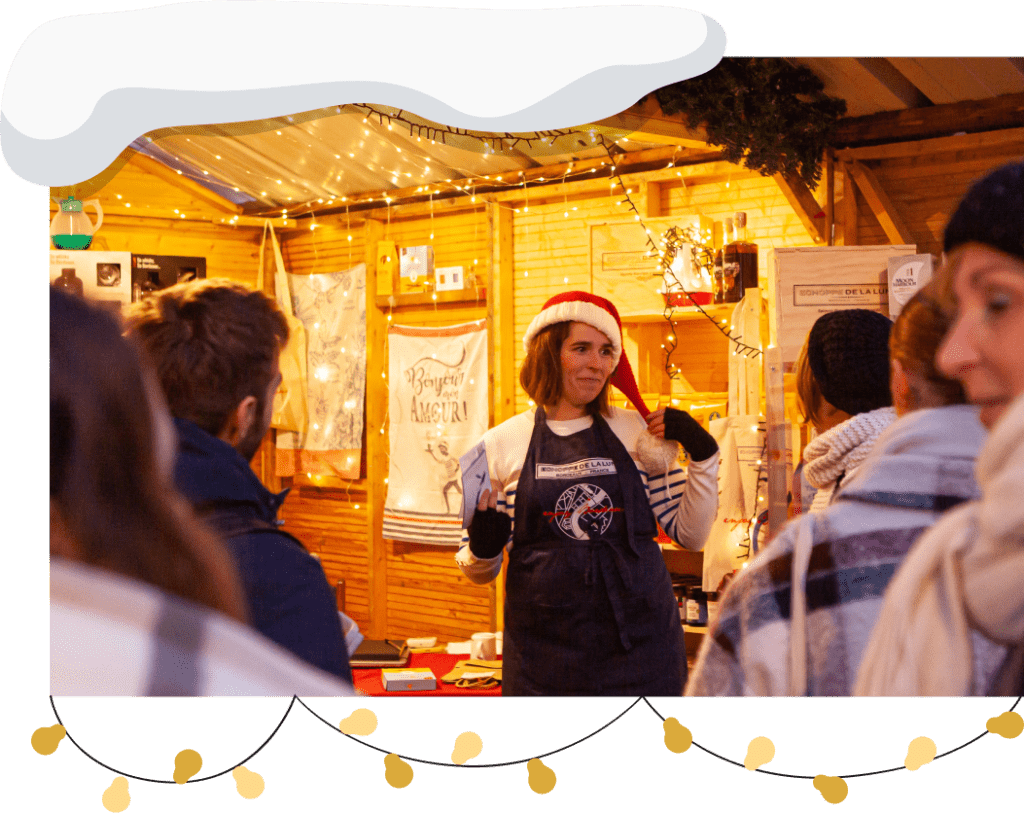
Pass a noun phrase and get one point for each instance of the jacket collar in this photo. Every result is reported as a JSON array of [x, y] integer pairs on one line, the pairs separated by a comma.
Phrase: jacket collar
[[209, 471]]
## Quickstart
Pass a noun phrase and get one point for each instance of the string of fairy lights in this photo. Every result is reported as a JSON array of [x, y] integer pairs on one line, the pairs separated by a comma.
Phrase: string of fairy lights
[[399, 772], [442, 181]]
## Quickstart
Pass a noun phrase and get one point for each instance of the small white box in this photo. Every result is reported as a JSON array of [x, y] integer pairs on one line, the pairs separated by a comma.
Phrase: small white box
[[449, 278], [419, 679]]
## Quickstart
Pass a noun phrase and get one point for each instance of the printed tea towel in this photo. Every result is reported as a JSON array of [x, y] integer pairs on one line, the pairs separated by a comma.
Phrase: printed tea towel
[[437, 410], [332, 308]]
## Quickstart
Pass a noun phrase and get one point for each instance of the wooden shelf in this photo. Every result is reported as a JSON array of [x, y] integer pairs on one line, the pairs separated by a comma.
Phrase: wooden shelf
[[687, 314], [695, 630], [439, 298]]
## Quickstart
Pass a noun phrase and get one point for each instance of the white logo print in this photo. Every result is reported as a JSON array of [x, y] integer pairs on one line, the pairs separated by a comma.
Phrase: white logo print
[[583, 511]]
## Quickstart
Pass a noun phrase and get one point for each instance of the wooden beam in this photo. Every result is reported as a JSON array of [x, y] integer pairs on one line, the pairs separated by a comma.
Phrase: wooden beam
[[647, 122], [894, 82], [154, 167], [501, 324], [803, 203], [976, 115], [931, 146], [652, 194], [892, 224], [376, 452], [830, 197], [849, 208]]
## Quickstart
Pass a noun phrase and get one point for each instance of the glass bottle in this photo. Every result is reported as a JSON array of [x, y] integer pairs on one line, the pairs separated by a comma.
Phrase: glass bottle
[[732, 282], [67, 281], [718, 280], [740, 259]]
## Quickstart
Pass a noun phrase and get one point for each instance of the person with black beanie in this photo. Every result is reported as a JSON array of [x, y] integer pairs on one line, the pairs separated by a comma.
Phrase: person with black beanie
[[843, 392]]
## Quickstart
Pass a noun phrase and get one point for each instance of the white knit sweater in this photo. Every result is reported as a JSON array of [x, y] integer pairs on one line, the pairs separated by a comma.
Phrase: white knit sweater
[[837, 452]]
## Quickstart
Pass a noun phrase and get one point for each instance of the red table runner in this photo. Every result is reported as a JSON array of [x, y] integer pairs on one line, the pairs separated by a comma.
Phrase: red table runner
[[368, 681]]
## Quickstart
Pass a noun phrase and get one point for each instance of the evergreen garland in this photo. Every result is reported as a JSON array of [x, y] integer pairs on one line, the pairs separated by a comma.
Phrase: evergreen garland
[[772, 116]]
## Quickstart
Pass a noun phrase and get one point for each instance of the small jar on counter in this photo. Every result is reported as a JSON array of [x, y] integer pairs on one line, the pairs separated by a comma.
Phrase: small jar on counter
[[696, 607], [712, 607]]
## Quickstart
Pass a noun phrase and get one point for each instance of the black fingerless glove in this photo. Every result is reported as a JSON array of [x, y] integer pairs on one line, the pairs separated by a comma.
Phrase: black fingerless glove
[[681, 426], [488, 532]]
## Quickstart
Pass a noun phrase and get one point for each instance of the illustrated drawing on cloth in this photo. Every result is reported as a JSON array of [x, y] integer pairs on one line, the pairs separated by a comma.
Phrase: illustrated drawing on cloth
[[332, 308], [437, 409]]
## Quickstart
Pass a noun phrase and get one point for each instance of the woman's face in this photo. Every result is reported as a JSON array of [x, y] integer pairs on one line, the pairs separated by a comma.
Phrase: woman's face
[[588, 360], [984, 348]]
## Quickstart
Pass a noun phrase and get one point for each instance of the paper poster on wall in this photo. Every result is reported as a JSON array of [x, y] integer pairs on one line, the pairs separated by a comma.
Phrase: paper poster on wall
[[809, 282], [101, 276], [437, 410], [620, 266], [332, 308]]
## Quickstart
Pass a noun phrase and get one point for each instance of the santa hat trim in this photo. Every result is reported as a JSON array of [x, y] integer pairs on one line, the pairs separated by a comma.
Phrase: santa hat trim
[[577, 311]]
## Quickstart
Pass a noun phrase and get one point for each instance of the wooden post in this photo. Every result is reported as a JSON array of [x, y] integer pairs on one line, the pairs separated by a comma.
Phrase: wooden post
[[889, 219], [830, 196], [849, 208], [501, 340], [376, 453]]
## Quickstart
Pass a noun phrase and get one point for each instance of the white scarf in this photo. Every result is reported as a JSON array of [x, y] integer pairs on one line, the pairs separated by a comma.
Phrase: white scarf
[[839, 450], [965, 573]]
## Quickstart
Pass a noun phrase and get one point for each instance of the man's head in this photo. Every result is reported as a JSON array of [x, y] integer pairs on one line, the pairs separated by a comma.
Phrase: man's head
[[215, 346]]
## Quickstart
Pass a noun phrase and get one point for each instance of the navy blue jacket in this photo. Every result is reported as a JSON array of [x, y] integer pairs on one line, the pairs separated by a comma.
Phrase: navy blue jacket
[[289, 598]]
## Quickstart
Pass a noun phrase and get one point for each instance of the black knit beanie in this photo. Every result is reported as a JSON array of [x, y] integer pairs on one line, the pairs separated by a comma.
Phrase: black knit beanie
[[991, 213], [848, 352]]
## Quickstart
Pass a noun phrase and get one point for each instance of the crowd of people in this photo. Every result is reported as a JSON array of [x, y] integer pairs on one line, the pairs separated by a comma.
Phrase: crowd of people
[[171, 575]]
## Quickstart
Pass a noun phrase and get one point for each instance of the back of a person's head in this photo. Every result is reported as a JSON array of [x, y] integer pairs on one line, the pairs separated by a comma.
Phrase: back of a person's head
[[845, 361], [111, 455], [213, 343], [916, 335]]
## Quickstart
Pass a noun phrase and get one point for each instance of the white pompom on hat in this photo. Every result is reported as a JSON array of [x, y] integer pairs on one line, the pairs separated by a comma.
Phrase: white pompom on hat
[[657, 454]]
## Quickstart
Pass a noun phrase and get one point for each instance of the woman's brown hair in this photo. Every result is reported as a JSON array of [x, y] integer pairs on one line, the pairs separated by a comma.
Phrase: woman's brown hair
[[541, 373], [112, 503], [915, 338], [809, 400]]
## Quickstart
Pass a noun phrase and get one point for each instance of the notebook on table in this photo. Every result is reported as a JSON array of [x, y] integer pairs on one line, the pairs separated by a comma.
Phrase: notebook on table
[[375, 654]]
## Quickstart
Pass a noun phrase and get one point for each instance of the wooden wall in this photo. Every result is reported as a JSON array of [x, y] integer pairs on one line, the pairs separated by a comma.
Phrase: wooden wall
[[393, 589], [148, 209], [922, 182], [523, 247]]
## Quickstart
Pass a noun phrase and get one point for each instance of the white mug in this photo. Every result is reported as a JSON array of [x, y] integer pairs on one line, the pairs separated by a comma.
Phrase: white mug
[[483, 646]]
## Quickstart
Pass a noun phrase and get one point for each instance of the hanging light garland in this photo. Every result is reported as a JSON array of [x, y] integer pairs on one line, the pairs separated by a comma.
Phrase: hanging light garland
[[541, 779]]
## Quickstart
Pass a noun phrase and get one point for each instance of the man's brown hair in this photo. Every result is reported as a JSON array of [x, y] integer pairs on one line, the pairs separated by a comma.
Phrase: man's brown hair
[[213, 343], [541, 373]]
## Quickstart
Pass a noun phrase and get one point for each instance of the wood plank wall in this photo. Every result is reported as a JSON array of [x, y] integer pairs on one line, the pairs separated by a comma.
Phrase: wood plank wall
[[925, 184], [425, 593], [142, 213], [552, 251]]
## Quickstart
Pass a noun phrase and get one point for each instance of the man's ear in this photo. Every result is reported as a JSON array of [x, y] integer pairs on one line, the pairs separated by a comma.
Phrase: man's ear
[[240, 421]]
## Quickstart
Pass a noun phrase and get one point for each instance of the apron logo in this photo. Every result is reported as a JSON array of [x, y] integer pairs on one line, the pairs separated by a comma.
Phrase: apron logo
[[583, 511], [591, 467]]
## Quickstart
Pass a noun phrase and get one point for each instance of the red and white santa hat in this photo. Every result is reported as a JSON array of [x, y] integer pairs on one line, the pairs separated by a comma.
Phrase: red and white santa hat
[[598, 312]]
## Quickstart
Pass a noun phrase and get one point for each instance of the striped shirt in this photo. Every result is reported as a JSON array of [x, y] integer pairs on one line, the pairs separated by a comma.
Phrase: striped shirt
[[684, 502]]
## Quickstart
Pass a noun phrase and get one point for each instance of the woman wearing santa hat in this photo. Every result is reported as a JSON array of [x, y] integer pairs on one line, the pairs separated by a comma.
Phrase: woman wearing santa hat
[[578, 488]]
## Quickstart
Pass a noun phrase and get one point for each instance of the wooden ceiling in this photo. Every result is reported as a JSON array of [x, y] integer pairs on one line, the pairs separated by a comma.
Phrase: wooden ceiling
[[328, 159]]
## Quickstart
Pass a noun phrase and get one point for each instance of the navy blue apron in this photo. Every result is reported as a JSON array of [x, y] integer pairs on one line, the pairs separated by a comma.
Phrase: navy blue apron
[[589, 608]]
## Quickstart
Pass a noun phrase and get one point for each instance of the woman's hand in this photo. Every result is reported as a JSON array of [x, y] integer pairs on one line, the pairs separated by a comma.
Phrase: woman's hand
[[680, 426], [656, 423], [490, 528]]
